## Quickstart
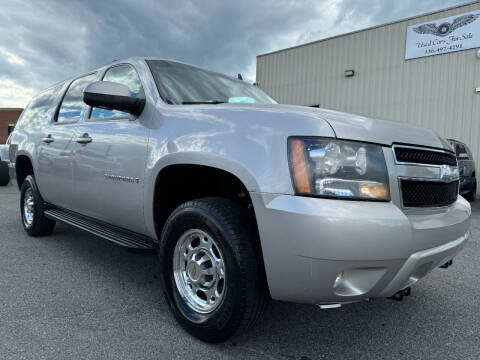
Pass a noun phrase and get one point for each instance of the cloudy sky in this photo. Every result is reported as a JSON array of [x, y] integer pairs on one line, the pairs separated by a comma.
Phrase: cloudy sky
[[45, 41]]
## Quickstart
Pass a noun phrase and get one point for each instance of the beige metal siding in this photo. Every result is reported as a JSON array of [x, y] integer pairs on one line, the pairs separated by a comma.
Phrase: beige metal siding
[[436, 92]]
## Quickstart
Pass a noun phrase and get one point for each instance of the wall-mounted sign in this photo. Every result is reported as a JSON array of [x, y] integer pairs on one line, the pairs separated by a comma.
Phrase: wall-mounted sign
[[456, 33]]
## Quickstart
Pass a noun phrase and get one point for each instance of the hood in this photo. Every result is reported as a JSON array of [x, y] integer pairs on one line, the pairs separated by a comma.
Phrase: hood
[[355, 127], [292, 120]]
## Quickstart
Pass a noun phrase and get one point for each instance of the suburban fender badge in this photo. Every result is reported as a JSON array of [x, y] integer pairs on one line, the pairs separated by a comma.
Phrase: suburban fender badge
[[122, 178]]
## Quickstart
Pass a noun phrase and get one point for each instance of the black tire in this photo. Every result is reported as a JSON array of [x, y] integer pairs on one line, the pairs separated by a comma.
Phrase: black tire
[[39, 225], [4, 174], [246, 295], [472, 194]]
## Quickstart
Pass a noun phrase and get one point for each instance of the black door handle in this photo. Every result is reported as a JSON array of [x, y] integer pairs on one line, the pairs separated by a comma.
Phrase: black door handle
[[49, 139], [84, 139]]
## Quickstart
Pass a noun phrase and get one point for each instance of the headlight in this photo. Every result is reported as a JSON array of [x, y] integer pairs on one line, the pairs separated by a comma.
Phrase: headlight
[[336, 168]]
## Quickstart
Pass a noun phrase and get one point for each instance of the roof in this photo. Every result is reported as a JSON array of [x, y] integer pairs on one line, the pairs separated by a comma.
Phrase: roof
[[372, 27], [126, 60]]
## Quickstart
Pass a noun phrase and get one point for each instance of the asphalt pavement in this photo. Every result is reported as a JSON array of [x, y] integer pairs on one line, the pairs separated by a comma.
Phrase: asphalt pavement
[[73, 296]]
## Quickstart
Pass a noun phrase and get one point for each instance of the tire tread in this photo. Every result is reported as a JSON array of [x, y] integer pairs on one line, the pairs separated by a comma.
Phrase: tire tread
[[254, 293], [41, 224]]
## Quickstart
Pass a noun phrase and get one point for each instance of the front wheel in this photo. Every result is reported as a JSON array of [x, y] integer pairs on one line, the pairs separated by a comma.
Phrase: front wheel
[[32, 206], [212, 272]]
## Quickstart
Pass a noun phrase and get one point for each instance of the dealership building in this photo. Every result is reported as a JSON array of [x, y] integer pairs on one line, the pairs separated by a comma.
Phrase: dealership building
[[423, 70], [8, 119]]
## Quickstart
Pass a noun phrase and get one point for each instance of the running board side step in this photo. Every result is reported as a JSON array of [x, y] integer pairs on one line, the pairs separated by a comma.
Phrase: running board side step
[[111, 233]]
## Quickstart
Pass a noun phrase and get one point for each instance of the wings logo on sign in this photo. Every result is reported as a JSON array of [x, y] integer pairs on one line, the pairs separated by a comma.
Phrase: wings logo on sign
[[446, 28], [443, 36]]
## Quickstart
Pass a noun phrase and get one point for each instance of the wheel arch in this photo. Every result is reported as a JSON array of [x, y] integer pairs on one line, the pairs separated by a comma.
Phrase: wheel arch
[[200, 160], [213, 181], [23, 167], [178, 182]]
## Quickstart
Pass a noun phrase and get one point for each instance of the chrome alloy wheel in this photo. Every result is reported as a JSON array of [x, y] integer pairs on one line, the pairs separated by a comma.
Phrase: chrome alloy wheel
[[28, 204], [199, 271]]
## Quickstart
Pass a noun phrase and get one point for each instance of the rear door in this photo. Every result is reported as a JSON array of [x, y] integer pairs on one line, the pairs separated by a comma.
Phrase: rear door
[[55, 156], [110, 165]]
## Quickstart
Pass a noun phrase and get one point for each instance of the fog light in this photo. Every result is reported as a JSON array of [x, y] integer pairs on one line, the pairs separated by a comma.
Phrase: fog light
[[338, 280]]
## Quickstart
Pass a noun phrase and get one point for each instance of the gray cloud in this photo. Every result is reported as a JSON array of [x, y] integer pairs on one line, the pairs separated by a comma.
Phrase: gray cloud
[[43, 42]]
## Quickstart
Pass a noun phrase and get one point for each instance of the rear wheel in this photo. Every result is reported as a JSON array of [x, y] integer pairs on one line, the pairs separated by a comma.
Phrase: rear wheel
[[212, 272], [472, 194], [32, 210]]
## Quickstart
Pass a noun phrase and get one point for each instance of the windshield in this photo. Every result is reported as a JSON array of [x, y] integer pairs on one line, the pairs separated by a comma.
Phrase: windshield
[[184, 84]]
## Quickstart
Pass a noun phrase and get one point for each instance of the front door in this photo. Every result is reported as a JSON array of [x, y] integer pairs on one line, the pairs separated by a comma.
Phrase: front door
[[110, 158]]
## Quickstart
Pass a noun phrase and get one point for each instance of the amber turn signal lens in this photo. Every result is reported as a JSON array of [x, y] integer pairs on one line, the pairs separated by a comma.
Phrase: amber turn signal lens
[[300, 170]]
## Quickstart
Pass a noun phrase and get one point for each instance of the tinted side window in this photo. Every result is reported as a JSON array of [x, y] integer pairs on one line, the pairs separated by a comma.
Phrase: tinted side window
[[461, 150], [72, 103], [457, 149], [122, 74], [469, 152], [41, 108]]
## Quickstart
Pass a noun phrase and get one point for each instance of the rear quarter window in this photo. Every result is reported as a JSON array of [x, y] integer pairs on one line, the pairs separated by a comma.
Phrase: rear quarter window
[[41, 108]]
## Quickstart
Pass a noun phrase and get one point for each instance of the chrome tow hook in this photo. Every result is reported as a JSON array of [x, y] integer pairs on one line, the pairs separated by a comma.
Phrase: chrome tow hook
[[401, 294]]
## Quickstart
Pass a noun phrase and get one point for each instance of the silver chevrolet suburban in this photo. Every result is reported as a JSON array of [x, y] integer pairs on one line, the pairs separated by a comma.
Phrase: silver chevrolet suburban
[[242, 198]]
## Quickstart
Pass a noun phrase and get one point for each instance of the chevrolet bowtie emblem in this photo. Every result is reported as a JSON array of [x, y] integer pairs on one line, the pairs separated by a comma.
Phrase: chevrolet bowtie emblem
[[449, 173]]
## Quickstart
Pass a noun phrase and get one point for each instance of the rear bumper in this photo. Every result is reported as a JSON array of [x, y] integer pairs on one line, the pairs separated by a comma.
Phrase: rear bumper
[[322, 251]]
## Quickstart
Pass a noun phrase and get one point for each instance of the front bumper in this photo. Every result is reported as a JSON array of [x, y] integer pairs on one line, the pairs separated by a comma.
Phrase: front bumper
[[375, 247], [11, 171]]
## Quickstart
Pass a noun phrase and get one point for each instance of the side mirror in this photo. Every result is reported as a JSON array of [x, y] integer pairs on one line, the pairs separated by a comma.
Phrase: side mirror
[[112, 96], [463, 156]]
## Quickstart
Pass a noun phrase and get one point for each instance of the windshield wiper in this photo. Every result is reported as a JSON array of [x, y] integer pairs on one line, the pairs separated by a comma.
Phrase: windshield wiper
[[203, 102]]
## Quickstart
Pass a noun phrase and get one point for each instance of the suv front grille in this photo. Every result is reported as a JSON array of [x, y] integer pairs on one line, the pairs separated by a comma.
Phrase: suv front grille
[[418, 156], [428, 193]]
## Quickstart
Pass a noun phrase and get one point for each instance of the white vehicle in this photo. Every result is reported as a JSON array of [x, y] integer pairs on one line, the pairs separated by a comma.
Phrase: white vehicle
[[5, 164]]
